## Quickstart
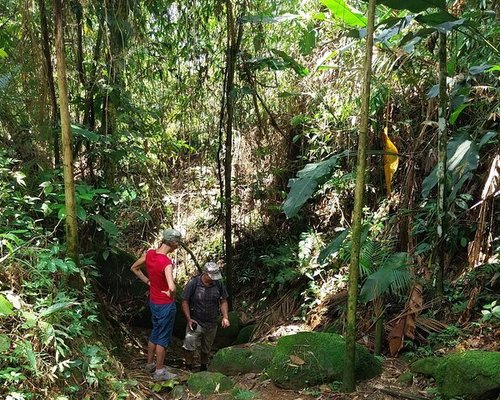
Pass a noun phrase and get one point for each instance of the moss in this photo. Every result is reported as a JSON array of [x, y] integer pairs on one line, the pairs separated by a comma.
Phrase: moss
[[471, 374], [209, 382], [226, 336], [425, 366], [405, 379], [309, 358], [245, 334], [242, 360]]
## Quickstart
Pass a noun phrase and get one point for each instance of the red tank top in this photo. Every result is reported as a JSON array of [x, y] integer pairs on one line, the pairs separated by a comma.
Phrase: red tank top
[[155, 265]]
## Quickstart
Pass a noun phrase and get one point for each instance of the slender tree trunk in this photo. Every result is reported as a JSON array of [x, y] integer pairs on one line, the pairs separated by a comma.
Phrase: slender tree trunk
[[441, 170], [69, 184], [349, 383], [79, 43], [117, 21], [50, 82], [233, 41]]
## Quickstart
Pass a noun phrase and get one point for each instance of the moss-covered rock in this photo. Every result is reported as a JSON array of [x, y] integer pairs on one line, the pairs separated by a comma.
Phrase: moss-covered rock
[[473, 375], [226, 336], [209, 382], [310, 358], [242, 359], [405, 379], [245, 334], [425, 366]]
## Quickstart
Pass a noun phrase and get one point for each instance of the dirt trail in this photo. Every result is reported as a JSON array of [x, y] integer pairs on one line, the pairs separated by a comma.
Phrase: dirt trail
[[261, 387]]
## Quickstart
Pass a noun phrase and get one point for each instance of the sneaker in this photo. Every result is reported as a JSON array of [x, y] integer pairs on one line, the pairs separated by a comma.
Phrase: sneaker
[[149, 368], [163, 375]]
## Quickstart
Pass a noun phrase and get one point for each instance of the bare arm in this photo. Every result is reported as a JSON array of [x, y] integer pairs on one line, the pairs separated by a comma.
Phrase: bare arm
[[136, 268], [187, 314], [170, 281], [224, 309]]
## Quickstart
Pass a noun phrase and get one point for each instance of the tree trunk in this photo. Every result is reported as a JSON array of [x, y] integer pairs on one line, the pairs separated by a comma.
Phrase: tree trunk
[[118, 37], [69, 184], [50, 82], [349, 383], [233, 41], [441, 169]]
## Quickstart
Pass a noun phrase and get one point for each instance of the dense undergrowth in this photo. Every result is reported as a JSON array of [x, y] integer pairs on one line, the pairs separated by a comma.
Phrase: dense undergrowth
[[293, 111]]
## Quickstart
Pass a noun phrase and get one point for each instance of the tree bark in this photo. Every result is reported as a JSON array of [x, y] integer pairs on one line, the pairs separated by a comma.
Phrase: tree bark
[[50, 82], [233, 41], [118, 37], [349, 384], [441, 170], [69, 184]]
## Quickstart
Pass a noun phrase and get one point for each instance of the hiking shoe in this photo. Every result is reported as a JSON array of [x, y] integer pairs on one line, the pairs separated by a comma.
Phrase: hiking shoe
[[163, 375], [149, 368]]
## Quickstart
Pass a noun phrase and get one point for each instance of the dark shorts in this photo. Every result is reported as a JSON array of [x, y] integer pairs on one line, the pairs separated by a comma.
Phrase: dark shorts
[[163, 317]]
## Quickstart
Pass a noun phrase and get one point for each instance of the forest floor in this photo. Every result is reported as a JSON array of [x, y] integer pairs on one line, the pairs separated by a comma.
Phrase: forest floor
[[380, 388]]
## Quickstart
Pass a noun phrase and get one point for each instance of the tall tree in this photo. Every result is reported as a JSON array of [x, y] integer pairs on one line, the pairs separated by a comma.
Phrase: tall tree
[[119, 31], [350, 355], [67, 147], [233, 44], [49, 73], [441, 169]]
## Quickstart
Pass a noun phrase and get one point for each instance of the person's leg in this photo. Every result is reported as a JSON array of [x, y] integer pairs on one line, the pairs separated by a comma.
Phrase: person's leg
[[188, 359], [160, 356], [166, 313], [207, 341], [151, 352]]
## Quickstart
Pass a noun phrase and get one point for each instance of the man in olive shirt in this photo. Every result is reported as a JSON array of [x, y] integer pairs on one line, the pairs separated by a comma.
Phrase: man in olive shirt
[[202, 298]]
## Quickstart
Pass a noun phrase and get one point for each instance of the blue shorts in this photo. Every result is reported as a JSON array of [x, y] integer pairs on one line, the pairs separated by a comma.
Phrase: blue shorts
[[163, 317]]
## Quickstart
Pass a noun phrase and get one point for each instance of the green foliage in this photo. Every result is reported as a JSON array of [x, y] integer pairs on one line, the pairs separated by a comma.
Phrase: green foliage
[[392, 273], [346, 14], [241, 394], [308, 179], [491, 311]]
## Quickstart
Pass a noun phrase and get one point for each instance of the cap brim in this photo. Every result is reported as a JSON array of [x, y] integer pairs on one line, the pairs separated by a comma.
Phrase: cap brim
[[215, 276]]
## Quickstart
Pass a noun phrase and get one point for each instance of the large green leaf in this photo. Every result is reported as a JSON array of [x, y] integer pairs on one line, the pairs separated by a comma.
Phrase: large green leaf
[[413, 5], [333, 247], [291, 62], [463, 157], [55, 308], [441, 21], [340, 10], [308, 179], [105, 224], [5, 306], [85, 133], [393, 271]]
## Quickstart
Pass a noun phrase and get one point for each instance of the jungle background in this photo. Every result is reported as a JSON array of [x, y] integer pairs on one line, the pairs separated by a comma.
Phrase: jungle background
[[237, 123]]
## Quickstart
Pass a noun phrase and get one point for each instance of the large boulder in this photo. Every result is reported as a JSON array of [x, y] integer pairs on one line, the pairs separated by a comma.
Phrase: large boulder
[[310, 358], [226, 336], [473, 375], [245, 334], [205, 383], [242, 359]]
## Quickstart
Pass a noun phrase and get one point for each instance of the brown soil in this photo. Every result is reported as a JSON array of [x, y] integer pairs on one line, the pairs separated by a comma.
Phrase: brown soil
[[263, 389]]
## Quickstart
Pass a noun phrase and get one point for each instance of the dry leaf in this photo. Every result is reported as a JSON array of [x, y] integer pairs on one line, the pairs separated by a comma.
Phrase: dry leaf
[[297, 360]]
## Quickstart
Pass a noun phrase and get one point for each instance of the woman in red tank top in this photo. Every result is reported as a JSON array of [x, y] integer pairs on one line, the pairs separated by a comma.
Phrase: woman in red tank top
[[161, 299]]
